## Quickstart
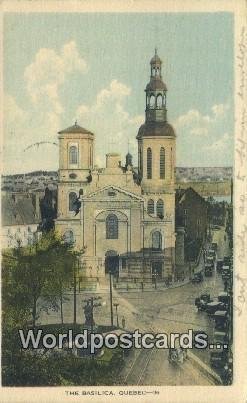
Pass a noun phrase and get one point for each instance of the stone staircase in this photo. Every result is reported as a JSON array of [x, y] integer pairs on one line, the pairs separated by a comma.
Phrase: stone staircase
[[137, 276]]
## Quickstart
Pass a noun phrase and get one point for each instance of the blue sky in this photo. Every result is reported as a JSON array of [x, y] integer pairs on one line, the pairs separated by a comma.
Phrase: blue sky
[[94, 68]]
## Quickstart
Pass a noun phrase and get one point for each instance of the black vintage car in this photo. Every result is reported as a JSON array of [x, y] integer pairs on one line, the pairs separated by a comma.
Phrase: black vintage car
[[221, 320], [221, 337], [227, 261], [226, 272], [214, 246], [202, 301], [198, 277], [218, 358], [224, 297], [219, 265], [208, 270], [213, 307]]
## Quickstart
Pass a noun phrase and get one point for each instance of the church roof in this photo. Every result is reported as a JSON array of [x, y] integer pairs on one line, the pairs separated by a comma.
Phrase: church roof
[[19, 212], [75, 129], [182, 193], [156, 84], [156, 129]]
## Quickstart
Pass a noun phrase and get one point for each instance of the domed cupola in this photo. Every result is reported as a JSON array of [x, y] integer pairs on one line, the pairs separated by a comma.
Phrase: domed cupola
[[156, 93]]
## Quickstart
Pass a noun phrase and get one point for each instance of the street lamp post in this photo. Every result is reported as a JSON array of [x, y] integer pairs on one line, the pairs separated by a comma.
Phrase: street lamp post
[[111, 305], [155, 274], [74, 291], [116, 307]]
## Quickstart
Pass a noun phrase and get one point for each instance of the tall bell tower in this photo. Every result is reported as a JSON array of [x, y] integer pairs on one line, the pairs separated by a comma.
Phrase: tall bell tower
[[156, 137], [156, 165], [76, 160]]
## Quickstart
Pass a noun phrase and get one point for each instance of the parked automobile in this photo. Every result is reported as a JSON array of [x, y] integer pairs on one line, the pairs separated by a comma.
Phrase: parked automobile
[[221, 320], [211, 253], [221, 337], [224, 297], [210, 261], [227, 261], [226, 273], [219, 265], [218, 358], [202, 301], [198, 277], [214, 306], [214, 246], [216, 227], [208, 270]]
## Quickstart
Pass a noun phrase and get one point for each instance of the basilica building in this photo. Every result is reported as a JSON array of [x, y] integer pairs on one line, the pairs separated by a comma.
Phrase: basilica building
[[123, 217]]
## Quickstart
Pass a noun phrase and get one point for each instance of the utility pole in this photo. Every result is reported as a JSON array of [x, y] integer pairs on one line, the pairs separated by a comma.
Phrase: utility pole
[[111, 297], [116, 307], [74, 286]]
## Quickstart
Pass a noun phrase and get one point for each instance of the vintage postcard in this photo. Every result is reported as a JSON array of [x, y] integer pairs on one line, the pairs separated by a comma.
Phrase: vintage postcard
[[124, 201]]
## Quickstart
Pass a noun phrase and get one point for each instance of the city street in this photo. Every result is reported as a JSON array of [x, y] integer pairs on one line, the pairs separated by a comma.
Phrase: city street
[[153, 368], [167, 310]]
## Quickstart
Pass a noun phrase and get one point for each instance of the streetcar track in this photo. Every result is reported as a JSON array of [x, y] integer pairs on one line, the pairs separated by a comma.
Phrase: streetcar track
[[152, 329]]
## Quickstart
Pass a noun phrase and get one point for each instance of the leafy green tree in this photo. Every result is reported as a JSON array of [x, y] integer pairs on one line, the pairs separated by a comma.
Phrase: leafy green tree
[[64, 262]]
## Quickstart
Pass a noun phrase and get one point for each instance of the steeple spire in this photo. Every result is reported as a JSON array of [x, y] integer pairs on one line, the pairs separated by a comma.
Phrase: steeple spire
[[156, 92]]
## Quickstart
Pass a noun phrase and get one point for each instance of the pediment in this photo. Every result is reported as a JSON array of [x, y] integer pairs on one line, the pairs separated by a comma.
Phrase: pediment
[[112, 193]]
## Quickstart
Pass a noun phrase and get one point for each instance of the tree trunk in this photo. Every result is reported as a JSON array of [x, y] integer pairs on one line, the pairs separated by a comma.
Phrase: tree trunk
[[34, 312], [61, 307]]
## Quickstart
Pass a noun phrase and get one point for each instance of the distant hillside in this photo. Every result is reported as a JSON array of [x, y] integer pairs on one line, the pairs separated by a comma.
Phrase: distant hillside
[[203, 174], [182, 173], [202, 179]]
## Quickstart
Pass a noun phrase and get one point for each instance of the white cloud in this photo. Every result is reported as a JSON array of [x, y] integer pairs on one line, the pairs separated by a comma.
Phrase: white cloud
[[220, 110], [204, 139], [12, 111], [112, 124], [220, 145], [48, 72], [44, 78], [199, 131], [191, 118]]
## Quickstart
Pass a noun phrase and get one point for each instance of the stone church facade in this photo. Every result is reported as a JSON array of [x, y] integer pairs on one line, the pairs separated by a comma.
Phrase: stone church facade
[[123, 217]]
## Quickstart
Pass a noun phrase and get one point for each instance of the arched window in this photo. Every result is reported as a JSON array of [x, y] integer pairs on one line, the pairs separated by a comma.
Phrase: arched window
[[111, 227], [149, 163], [152, 101], [68, 237], [72, 201], [162, 163], [160, 208], [156, 240], [73, 155], [150, 206], [159, 101]]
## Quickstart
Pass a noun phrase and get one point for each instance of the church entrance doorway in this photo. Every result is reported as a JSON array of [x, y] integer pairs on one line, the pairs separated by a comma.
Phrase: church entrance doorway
[[112, 262], [156, 271]]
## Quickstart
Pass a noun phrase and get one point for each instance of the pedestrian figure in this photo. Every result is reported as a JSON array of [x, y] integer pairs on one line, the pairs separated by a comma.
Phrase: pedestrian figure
[[225, 286], [123, 322]]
